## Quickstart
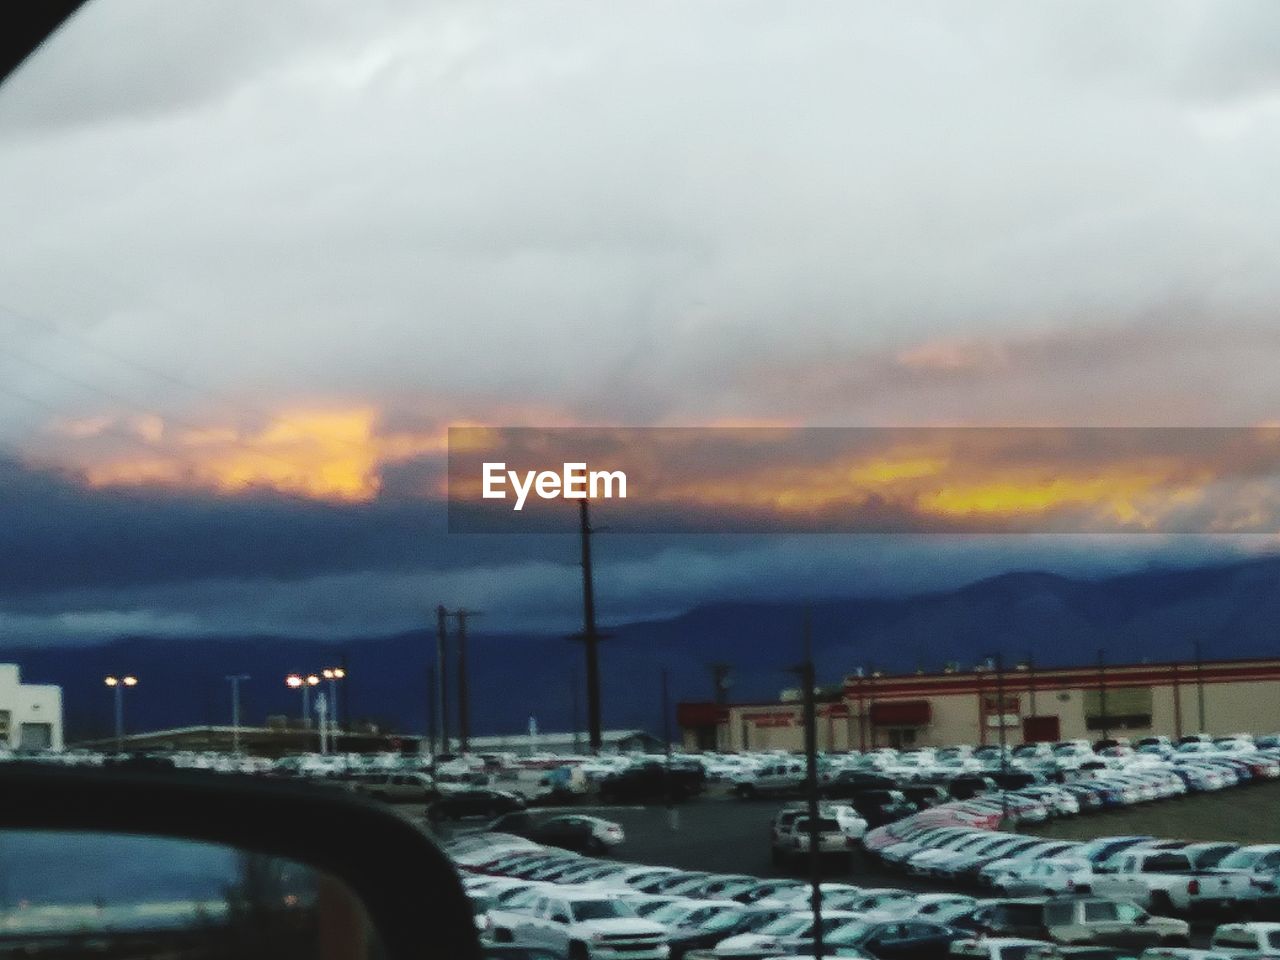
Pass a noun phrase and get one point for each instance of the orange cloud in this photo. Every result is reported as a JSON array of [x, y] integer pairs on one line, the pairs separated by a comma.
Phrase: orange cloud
[[323, 454]]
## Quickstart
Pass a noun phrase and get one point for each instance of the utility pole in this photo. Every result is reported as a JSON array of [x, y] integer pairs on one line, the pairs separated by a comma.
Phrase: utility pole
[[1200, 686], [345, 723], [1031, 680], [720, 681], [1102, 693], [235, 680], [442, 675], [811, 786], [590, 636], [573, 708], [672, 819], [431, 717], [998, 659], [464, 698]]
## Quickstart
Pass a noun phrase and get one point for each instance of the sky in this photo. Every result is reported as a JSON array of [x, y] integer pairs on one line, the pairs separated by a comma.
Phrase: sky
[[261, 256]]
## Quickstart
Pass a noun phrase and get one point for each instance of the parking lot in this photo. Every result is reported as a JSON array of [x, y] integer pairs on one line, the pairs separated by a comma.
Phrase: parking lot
[[1247, 815]]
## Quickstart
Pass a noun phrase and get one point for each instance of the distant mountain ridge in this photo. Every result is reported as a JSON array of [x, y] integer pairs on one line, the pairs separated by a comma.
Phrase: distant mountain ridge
[[1233, 610]]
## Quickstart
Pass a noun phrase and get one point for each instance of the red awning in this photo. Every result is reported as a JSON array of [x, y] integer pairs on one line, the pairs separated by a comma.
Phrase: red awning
[[901, 713], [690, 715]]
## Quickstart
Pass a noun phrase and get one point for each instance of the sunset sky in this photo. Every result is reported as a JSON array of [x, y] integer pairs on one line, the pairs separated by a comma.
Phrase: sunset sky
[[262, 255]]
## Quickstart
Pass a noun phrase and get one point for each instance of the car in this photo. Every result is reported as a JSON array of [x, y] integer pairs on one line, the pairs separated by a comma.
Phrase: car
[[466, 804], [772, 938], [1014, 917], [1055, 875], [584, 834], [1257, 937], [994, 948], [393, 787], [651, 781], [1120, 923], [831, 840], [782, 775], [914, 939], [878, 807], [708, 923], [585, 925]]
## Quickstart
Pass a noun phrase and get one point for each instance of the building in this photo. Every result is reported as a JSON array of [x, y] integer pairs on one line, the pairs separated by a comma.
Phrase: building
[[953, 707], [562, 744], [30, 713], [270, 741]]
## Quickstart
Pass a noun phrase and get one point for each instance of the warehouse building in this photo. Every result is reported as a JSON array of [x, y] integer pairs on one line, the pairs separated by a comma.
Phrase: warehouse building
[[567, 744], [971, 706], [30, 713]]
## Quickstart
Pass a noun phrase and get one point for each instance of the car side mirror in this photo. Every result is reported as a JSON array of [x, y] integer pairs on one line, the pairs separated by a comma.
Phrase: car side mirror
[[1143, 919], [219, 865]]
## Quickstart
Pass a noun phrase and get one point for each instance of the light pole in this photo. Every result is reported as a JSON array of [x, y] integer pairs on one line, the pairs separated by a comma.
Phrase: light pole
[[235, 680], [117, 685], [333, 675], [296, 681], [997, 660]]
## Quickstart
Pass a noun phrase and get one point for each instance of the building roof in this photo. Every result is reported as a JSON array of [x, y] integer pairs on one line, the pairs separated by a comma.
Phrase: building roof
[[524, 740]]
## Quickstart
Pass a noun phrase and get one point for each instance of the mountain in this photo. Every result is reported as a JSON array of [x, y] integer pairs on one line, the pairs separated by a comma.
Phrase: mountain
[[1157, 615]]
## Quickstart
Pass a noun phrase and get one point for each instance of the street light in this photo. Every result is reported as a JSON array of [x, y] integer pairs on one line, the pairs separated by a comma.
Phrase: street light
[[996, 660], [295, 681], [333, 675], [117, 685], [235, 680]]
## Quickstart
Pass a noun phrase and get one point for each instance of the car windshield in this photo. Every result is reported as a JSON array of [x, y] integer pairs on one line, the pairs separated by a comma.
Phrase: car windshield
[[1242, 859], [720, 919], [786, 926], [600, 909], [848, 934]]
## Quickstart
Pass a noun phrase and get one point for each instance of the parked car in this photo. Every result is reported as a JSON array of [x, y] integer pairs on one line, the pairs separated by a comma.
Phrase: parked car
[[474, 803], [578, 832], [1256, 937], [913, 939], [784, 775], [1053, 876], [583, 925], [394, 787], [1160, 880], [878, 807], [994, 948], [797, 843], [653, 781], [1023, 918], [1119, 923]]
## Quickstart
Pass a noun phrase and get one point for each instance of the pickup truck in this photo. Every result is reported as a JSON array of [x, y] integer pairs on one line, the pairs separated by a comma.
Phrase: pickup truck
[[1244, 882], [833, 842], [582, 925], [1165, 880], [774, 778]]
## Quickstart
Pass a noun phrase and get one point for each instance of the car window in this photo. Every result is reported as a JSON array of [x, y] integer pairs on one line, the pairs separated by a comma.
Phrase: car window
[[1096, 910], [600, 909]]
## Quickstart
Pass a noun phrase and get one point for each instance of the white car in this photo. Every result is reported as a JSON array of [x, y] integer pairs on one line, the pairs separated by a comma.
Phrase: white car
[[1052, 876], [588, 925], [1256, 937], [770, 937], [994, 948]]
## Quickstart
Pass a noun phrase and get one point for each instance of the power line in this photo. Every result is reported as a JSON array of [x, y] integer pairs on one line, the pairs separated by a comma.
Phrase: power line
[[60, 330]]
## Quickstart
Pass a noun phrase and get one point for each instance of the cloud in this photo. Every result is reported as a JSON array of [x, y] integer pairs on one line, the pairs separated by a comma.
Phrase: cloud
[[268, 251]]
